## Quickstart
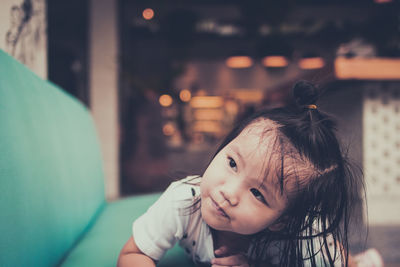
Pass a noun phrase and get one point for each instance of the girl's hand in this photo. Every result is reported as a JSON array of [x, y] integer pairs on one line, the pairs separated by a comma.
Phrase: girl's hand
[[239, 259], [234, 260]]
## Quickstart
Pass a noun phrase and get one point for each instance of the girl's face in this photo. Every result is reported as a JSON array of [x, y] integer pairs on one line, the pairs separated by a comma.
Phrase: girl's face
[[235, 194]]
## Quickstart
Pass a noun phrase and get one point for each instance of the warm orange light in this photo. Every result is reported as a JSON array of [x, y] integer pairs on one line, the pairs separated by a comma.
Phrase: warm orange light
[[311, 63], [165, 100], [185, 95], [231, 107], [248, 96], [382, 1], [368, 68], [239, 62], [207, 127], [208, 115], [148, 14], [206, 102], [168, 129], [275, 61]]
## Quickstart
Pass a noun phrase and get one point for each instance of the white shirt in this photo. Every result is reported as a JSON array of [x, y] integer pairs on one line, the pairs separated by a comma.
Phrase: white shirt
[[169, 220]]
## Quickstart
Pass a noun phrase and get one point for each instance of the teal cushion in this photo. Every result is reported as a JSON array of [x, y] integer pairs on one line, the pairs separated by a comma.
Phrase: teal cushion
[[102, 244], [51, 174]]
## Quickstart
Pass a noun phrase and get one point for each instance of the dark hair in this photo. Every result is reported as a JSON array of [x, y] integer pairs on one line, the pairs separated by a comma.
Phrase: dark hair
[[321, 200]]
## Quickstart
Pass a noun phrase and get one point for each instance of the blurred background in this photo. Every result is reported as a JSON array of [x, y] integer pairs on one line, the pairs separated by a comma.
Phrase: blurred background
[[166, 80]]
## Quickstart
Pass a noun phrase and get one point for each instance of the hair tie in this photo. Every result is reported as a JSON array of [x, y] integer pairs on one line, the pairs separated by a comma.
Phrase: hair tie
[[312, 106]]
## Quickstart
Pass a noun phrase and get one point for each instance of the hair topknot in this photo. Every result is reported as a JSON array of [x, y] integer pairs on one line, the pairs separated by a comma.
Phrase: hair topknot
[[305, 93]]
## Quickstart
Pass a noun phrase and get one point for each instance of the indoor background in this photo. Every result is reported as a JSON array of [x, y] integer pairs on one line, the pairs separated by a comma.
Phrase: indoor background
[[166, 80]]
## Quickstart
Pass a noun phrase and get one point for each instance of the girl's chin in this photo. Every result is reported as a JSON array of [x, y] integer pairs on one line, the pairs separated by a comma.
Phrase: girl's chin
[[213, 221]]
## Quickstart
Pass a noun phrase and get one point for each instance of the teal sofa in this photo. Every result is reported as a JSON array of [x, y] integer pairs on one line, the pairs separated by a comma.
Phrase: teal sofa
[[52, 205]]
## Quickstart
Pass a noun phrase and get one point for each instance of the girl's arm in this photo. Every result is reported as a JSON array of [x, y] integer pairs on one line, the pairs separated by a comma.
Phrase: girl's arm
[[131, 256]]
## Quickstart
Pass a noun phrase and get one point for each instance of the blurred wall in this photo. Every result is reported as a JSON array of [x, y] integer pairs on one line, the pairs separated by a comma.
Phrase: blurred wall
[[344, 101], [23, 32], [103, 82], [382, 151], [368, 116]]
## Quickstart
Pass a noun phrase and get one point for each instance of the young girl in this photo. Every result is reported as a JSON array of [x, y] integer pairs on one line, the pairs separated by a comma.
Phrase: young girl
[[277, 192]]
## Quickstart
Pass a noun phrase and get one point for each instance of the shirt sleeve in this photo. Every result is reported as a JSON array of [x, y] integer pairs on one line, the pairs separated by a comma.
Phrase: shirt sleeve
[[161, 226], [321, 257]]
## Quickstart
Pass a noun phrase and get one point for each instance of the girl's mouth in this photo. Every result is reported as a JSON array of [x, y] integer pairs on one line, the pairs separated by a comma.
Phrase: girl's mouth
[[219, 210]]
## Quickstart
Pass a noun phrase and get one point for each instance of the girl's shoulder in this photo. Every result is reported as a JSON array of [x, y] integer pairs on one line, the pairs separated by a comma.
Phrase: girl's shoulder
[[186, 188], [191, 180]]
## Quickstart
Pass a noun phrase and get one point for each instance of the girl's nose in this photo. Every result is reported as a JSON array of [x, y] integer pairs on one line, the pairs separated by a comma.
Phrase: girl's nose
[[230, 193]]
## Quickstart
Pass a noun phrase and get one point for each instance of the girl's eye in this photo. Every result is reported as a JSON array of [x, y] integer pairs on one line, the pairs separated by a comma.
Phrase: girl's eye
[[257, 194], [232, 163]]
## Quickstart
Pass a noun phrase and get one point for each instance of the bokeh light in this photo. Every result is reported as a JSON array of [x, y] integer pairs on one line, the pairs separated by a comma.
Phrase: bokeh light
[[311, 63], [148, 14], [165, 100], [185, 95], [168, 129], [275, 61], [239, 62], [206, 102]]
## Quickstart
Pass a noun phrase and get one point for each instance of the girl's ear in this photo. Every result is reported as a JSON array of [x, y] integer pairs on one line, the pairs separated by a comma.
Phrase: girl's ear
[[278, 225]]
